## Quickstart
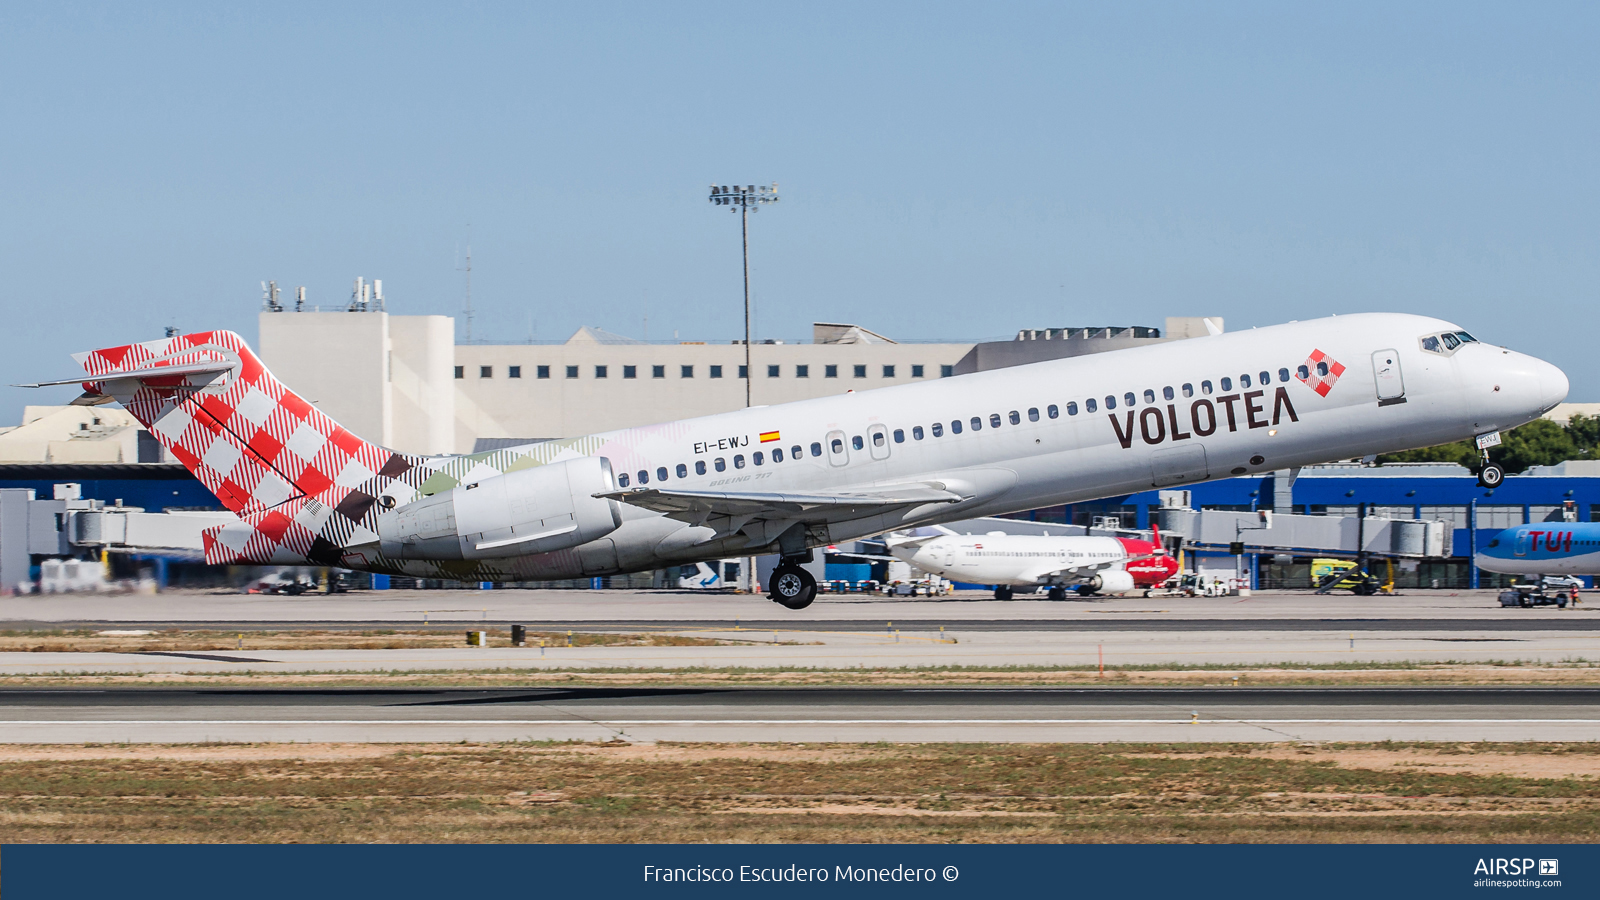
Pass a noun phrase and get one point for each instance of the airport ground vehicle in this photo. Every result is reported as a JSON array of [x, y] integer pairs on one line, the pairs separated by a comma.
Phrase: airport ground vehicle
[[788, 478], [1550, 591]]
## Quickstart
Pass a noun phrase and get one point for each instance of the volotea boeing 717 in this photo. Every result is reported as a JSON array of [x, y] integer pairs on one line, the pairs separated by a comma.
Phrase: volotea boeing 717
[[785, 479]]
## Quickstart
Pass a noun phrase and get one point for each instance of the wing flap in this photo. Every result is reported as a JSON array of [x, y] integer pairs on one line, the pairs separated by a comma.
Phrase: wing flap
[[784, 504]]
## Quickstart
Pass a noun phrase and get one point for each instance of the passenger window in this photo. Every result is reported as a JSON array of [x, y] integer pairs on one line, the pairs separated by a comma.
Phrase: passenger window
[[837, 445], [955, 426], [661, 474], [916, 432], [1033, 414], [1244, 381], [794, 452], [816, 448], [994, 420], [1149, 396], [683, 471], [1303, 372], [878, 440], [757, 458], [1205, 387], [777, 454], [1429, 343], [1266, 379], [1283, 374], [622, 480], [1167, 393], [1322, 368], [1188, 390], [738, 460], [856, 443], [1450, 341], [644, 476], [699, 467], [938, 429], [1111, 402], [720, 464], [1128, 399], [1088, 405], [1227, 384], [977, 423], [899, 436], [1072, 409]]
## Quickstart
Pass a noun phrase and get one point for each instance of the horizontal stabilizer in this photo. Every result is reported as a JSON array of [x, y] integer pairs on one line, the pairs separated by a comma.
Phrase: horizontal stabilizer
[[200, 368]]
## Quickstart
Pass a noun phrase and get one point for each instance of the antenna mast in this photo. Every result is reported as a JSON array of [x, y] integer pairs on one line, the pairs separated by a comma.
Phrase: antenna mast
[[467, 309]]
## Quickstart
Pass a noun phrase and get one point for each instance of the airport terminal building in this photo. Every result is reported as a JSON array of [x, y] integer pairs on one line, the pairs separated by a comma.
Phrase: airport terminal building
[[403, 381]]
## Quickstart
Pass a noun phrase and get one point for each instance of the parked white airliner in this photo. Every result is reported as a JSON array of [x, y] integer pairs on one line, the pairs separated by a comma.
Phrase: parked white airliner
[[785, 479]]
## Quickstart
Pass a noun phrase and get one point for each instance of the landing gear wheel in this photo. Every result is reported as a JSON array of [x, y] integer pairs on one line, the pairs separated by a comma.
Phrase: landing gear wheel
[[1085, 590], [1057, 593], [1523, 601], [1003, 592], [793, 587], [1491, 475]]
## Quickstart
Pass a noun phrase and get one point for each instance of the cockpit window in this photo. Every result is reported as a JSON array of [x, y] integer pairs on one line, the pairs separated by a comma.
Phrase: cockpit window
[[1466, 338], [1450, 341], [1431, 344]]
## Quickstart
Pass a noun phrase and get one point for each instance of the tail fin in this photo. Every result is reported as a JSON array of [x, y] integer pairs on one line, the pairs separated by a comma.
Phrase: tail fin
[[250, 440]]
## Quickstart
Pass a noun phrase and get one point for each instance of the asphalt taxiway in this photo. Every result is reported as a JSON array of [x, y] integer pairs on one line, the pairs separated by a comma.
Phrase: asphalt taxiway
[[802, 714]]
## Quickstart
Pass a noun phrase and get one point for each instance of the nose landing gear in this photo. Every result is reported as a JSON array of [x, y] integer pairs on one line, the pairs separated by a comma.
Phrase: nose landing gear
[[1489, 474]]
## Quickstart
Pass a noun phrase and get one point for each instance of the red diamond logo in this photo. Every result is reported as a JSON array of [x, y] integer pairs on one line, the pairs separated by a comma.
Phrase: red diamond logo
[[1320, 372]]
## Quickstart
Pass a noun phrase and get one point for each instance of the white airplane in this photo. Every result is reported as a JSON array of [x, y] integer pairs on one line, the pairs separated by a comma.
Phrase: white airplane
[[785, 479], [1085, 563]]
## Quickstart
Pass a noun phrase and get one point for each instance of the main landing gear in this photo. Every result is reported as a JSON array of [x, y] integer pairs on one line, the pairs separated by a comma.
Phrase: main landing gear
[[1057, 592], [1002, 592], [792, 586]]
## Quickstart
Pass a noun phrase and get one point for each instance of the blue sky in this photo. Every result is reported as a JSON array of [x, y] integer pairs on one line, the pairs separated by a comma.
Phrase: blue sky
[[947, 170]]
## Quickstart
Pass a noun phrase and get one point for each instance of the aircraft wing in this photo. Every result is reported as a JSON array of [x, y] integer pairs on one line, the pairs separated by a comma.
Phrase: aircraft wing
[[697, 506]]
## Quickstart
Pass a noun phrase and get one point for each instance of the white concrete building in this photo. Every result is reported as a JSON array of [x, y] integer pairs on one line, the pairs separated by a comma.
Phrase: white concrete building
[[403, 382]]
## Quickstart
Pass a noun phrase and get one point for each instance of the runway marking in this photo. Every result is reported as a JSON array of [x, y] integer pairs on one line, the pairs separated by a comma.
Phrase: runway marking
[[603, 722]]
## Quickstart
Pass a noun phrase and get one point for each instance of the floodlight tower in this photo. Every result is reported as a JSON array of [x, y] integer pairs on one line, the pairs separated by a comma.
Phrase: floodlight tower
[[745, 200]]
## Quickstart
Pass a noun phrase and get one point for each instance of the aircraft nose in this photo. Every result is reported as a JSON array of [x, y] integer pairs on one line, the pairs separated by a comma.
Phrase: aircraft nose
[[1553, 386]]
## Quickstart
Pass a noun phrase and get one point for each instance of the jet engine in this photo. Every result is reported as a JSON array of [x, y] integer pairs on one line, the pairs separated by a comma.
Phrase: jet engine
[[1113, 581], [536, 510]]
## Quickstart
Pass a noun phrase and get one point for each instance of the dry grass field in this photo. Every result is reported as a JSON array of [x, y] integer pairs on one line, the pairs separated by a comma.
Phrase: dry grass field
[[1301, 675], [175, 640], [800, 793]]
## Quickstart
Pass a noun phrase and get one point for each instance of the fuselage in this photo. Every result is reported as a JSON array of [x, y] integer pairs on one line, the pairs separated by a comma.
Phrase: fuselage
[[1026, 559], [1543, 548], [1052, 433]]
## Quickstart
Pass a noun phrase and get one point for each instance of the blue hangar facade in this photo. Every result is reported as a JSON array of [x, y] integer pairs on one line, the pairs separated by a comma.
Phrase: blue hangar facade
[[1440, 491]]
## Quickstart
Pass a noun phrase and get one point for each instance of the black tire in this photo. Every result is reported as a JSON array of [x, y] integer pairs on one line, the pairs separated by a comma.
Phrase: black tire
[[1523, 601], [1491, 476], [1003, 592], [1057, 593], [793, 587], [1085, 590]]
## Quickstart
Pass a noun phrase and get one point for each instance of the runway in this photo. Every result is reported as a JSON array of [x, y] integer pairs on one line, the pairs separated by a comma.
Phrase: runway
[[801, 715]]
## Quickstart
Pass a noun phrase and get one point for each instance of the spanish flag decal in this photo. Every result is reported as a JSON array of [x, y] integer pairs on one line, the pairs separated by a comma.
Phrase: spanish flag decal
[[768, 436]]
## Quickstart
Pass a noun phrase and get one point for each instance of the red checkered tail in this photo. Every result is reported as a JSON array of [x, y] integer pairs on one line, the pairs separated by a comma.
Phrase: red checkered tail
[[251, 441]]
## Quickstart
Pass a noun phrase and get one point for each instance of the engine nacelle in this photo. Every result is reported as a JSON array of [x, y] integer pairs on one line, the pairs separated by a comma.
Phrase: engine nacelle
[[537, 510], [1112, 581]]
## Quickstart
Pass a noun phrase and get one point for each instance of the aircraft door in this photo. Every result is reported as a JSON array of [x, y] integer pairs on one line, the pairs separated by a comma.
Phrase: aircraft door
[[838, 455], [878, 441], [1386, 372], [1521, 546]]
